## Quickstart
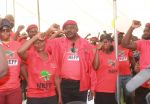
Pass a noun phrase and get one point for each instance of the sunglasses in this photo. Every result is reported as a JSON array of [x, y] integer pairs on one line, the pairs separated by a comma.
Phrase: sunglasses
[[5, 30]]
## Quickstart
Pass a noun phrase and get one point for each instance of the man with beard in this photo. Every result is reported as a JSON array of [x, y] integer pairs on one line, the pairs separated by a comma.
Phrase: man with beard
[[143, 46], [73, 55]]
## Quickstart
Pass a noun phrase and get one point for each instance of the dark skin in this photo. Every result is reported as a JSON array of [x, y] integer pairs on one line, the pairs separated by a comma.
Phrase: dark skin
[[32, 32], [131, 59], [71, 32], [3, 63], [105, 47], [126, 41], [146, 33], [120, 37], [39, 45]]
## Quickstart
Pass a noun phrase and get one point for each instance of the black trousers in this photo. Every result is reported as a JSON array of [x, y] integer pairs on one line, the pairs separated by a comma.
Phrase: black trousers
[[105, 98], [70, 90], [140, 95], [46, 100]]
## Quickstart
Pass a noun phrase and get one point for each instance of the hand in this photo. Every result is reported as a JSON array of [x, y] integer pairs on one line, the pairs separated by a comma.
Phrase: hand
[[135, 24], [100, 45], [91, 95], [20, 28], [41, 36], [23, 36], [60, 100], [55, 27]]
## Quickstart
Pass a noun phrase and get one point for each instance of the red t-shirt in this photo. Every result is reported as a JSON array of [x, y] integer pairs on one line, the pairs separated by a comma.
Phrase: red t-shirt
[[107, 73], [123, 58], [70, 63], [41, 75], [143, 46], [58, 47], [4, 79], [14, 66]]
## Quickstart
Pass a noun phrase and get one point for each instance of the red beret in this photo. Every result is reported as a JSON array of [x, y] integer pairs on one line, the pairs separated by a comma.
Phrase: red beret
[[31, 26], [69, 22], [147, 25]]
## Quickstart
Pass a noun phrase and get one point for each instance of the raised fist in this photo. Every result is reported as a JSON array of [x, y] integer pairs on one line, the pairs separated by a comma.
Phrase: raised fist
[[136, 24]]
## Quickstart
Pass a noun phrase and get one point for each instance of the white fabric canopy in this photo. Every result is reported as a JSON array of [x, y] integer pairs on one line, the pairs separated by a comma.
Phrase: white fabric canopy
[[92, 16]]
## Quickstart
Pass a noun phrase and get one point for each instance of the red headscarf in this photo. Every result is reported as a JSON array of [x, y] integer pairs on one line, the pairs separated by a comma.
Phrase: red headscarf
[[30, 27], [69, 22]]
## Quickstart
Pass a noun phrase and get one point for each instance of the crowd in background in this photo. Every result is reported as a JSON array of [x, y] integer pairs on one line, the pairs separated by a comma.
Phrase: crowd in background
[[58, 66]]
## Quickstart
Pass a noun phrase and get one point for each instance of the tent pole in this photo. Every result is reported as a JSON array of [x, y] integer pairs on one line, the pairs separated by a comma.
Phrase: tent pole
[[116, 47], [6, 7], [14, 11], [38, 12]]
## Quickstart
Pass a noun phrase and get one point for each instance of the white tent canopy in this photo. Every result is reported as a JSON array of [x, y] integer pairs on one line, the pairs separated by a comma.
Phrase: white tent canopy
[[92, 16]]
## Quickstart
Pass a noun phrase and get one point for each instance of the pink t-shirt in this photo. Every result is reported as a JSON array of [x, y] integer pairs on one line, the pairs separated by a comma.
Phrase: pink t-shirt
[[107, 73], [70, 63], [14, 66], [41, 75], [123, 58], [143, 46]]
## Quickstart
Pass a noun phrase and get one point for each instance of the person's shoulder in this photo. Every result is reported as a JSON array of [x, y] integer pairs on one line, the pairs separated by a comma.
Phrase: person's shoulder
[[85, 41], [142, 41]]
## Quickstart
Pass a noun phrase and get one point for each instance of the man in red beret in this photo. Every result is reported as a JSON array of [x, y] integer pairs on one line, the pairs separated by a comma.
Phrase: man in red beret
[[73, 55]]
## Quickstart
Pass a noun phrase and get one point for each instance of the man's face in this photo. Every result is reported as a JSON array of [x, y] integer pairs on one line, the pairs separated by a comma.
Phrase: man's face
[[70, 31], [32, 32], [39, 45], [146, 33], [120, 37]]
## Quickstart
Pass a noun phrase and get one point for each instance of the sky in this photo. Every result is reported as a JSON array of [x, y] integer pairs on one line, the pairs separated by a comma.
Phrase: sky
[[92, 16]]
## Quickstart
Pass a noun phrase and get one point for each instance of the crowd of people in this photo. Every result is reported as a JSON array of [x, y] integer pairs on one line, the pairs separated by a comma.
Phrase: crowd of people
[[58, 66]]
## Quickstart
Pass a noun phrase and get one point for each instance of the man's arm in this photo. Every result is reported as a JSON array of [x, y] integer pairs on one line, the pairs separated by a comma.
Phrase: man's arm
[[126, 42], [22, 51], [3, 63], [17, 33]]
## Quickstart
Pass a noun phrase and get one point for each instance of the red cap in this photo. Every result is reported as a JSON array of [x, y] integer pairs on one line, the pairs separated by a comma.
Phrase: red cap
[[69, 22], [147, 25], [30, 27]]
